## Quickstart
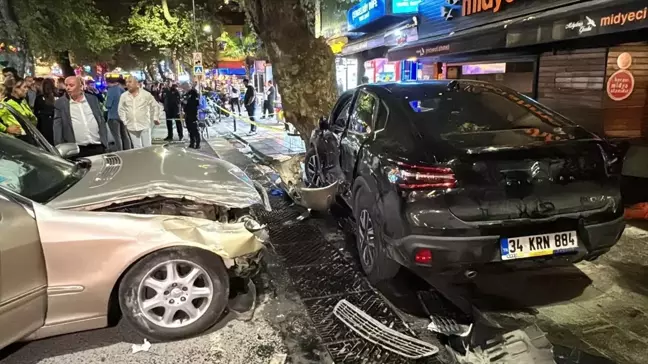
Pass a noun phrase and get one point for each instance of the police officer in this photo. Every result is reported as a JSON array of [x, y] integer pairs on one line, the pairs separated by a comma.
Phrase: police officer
[[190, 103], [16, 99]]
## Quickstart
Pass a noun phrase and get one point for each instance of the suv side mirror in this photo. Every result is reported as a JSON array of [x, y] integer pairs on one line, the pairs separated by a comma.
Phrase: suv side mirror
[[323, 123], [68, 150]]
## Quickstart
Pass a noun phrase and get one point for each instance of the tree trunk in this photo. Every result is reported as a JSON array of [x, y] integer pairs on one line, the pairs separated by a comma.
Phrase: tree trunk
[[63, 59], [10, 33], [303, 66]]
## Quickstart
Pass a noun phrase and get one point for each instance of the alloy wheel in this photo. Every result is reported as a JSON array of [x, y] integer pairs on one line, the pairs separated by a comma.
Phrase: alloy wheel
[[367, 243], [175, 293], [313, 172]]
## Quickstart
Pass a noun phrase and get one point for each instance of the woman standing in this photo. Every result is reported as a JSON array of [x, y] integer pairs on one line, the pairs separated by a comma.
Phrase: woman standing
[[44, 110]]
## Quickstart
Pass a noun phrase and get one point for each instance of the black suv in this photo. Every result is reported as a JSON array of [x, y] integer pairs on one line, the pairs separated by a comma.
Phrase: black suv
[[463, 175]]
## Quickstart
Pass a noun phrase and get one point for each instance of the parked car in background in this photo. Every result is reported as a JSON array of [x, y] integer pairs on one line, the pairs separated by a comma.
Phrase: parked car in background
[[64, 271], [461, 176]]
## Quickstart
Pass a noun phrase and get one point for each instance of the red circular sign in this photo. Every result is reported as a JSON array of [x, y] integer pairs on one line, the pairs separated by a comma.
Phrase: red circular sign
[[620, 85]]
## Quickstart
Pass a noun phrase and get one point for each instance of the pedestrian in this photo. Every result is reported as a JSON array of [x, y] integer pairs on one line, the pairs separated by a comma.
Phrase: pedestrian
[[91, 87], [31, 93], [60, 85], [171, 100], [249, 101], [44, 109], [116, 126], [15, 101], [234, 97], [139, 111], [78, 119], [268, 104], [8, 72], [191, 101]]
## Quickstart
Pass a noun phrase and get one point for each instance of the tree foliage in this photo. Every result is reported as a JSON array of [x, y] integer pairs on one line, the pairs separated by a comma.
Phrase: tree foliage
[[54, 26], [244, 47]]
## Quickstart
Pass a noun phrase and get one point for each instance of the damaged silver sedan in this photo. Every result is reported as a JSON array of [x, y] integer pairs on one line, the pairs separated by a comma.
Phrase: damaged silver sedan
[[158, 232]]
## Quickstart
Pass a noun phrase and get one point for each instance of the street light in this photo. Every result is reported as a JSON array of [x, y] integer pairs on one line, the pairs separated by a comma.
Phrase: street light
[[207, 28]]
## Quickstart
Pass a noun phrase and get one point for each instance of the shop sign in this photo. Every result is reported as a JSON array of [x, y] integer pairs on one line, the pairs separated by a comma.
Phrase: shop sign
[[450, 9], [470, 7], [365, 12], [431, 51], [259, 66], [405, 6], [620, 85], [583, 26], [624, 60]]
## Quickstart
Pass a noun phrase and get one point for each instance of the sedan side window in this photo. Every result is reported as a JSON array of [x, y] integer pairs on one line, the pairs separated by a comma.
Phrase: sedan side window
[[363, 114]]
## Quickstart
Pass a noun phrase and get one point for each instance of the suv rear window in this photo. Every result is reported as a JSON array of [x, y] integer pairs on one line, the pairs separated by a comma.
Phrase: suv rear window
[[478, 108]]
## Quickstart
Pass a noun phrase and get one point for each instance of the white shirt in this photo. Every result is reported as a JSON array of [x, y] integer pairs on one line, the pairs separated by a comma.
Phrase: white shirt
[[84, 124], [138, 112], [234, 95]]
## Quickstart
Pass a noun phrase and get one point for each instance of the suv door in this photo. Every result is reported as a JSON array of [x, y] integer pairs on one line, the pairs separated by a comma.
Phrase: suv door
[[360, 126], [23, 277]]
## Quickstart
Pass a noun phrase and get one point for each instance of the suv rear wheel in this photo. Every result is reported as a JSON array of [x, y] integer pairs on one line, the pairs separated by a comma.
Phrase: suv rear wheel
[[371, 247]]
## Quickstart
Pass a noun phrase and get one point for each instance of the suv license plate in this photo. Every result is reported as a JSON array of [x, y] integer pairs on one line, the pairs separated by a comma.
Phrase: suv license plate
[[538, 245]]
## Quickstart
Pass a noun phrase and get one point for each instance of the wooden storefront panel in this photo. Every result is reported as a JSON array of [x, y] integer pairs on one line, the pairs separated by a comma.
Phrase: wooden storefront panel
[[628, 118], [572, 83]]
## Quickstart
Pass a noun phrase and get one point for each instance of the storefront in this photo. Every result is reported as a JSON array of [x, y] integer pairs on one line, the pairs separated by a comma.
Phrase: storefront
[[377, 25], [585, 59]]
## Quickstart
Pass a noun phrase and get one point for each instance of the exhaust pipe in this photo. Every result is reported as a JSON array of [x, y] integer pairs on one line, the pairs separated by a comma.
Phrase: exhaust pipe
[[470, 274]]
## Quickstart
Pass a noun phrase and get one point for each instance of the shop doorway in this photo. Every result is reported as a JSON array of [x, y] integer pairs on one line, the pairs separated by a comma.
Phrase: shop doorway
[[346, 72]]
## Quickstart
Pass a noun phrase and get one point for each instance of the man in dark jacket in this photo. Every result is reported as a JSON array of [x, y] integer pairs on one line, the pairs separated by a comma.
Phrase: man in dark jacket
[[190, 103], [268, 105], [171, 99], [249, 101], [78, 119]]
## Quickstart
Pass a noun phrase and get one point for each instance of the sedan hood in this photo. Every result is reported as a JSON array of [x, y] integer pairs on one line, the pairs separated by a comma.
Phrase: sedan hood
[[167, 171]]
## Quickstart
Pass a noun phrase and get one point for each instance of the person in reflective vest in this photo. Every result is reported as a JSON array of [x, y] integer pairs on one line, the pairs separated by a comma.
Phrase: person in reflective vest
[[16, 98]]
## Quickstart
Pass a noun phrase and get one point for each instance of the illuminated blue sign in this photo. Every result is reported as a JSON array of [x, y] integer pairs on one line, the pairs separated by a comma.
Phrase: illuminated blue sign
[[405, 6], [365, 12]]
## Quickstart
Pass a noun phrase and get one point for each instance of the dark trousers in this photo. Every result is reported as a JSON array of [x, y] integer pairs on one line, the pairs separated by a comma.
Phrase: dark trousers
[[194, 134], [178, 125], [120, 135], [268, 109], [235, 101], [250, 111], [90, 150]]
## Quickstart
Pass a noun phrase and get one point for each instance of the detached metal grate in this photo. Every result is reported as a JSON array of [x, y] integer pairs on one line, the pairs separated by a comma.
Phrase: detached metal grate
[[379, 334]]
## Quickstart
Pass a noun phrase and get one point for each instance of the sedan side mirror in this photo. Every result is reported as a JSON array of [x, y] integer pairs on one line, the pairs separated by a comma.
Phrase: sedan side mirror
[[68, 150]]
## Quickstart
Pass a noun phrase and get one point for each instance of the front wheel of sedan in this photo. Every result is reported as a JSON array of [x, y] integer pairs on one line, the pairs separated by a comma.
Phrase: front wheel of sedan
[[174, 293]]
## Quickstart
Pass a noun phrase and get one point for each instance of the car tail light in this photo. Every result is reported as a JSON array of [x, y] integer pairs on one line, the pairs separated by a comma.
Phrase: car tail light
[[413, 177], [423, 256]]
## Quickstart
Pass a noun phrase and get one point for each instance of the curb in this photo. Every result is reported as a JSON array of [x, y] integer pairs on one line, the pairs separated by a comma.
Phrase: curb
[[266, 159]]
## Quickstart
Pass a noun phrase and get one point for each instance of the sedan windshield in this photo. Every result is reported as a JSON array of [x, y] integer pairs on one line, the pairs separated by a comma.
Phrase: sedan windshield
[[467, 107], [33, 173]]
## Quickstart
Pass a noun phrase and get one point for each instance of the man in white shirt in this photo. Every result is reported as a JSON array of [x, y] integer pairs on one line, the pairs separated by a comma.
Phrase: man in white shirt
[[234, 97], [139, 110], [78, 119]]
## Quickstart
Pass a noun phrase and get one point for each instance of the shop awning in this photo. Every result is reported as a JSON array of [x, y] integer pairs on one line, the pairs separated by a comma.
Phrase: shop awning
[[231, 64], [581, 20]]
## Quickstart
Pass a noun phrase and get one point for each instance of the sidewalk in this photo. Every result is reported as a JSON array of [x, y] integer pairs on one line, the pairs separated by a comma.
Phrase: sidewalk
[[270, 141]]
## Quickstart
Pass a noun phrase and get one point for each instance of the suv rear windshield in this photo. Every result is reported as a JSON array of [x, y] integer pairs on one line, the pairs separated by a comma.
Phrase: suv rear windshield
[[466, 107]]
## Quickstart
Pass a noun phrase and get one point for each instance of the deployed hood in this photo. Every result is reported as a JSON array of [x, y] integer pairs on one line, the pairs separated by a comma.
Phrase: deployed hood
[[167, 171]]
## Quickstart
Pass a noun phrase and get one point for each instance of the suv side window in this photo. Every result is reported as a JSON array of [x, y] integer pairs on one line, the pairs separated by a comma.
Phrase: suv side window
[[364, 113], [341, 118]]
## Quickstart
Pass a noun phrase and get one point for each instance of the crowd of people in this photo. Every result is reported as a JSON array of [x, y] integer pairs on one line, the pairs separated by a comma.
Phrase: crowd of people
[[69, 110]]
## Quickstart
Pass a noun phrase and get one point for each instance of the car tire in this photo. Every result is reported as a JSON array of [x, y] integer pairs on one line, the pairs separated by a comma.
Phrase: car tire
[[133, 293], [381, 267], [312, 160]]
